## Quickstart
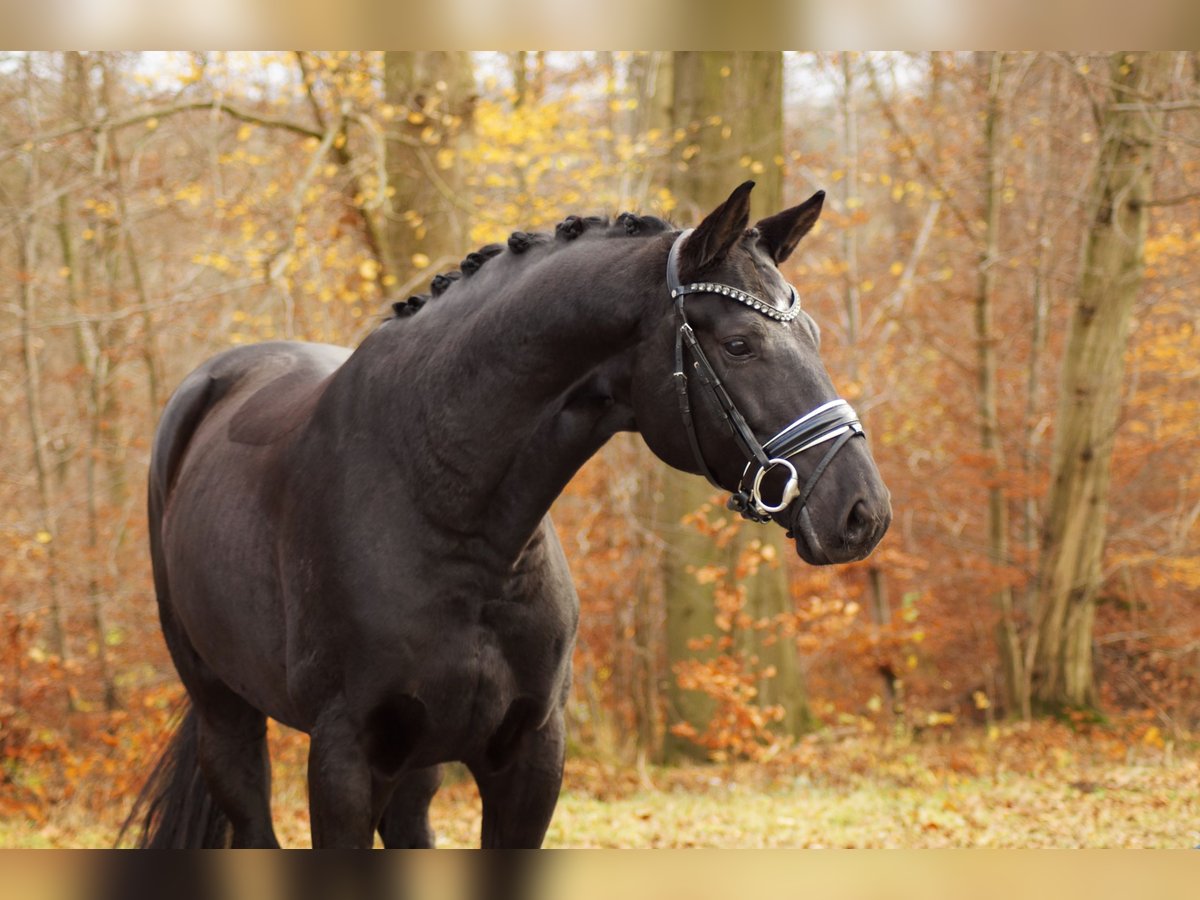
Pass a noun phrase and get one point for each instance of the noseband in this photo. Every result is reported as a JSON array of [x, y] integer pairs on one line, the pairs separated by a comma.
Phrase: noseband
[[833, 421]]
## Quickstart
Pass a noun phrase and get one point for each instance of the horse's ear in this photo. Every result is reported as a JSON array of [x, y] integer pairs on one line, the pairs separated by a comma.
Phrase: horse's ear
[[779, 234], [719, 231]]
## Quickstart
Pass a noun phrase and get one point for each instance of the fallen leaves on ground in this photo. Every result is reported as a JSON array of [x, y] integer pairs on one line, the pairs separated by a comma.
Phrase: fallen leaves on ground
[[1017, 786]]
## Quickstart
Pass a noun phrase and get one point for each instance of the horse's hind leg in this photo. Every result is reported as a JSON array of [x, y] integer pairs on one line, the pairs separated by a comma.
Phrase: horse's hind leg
[[405, 822], [231, 741], [519, 799], [233, 757]]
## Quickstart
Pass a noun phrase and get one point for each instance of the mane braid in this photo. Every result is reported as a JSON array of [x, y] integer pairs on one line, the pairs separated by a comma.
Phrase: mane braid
[[627, 224]]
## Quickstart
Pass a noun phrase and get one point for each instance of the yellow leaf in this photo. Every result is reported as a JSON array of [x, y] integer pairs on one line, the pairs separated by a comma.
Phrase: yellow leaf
[[420, 260], [244, 133], [43, 537], [151, 124], [896, 268]]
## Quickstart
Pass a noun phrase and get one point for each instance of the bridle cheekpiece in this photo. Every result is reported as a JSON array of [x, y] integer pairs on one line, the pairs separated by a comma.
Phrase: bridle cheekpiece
[[833, 421]]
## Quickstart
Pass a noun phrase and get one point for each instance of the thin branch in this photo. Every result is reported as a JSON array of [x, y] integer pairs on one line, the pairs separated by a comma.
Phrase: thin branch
[[280, 259], [376, 241], [126, 312], [1169, 201], [214, 105], [1164, 105], [895, 300], [922, 164]]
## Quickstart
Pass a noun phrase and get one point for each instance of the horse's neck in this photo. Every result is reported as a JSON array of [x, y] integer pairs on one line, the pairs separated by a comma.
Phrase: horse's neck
[[498, 394]]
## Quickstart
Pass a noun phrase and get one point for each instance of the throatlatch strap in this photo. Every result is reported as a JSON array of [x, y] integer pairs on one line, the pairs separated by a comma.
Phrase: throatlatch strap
[[685, 403], [707, 374]]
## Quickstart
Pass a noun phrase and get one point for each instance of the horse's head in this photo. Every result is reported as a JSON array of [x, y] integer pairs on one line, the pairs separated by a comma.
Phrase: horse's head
[[754, 408]]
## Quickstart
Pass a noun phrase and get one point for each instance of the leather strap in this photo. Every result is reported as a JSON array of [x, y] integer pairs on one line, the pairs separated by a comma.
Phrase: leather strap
[[809, 430]]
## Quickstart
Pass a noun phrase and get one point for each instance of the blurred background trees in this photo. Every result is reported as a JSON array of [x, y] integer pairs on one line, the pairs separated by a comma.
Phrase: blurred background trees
[[1003, 277]]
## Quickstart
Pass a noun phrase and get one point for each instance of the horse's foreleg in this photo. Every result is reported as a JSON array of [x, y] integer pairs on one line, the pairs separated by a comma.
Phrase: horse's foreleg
[[405, 821], [519, 800], [339, 785]]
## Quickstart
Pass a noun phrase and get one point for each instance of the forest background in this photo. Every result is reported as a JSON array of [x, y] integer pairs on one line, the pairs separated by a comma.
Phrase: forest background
[[1001, 277]]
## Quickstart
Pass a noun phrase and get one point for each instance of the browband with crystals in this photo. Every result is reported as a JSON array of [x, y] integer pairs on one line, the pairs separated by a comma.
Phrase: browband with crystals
[[752, 300]]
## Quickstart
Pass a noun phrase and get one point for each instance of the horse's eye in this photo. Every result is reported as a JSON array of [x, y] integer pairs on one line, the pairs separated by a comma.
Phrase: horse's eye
[[737, 347]]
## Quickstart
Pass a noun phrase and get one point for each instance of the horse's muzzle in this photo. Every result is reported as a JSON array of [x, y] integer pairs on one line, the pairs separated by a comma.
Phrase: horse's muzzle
[[858, 530]]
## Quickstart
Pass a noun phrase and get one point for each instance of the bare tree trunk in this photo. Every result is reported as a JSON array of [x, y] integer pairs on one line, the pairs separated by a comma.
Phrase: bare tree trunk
[[520, 69], [27, 282], [434, 96], [1008, 640], [26, 260], [537, 84], [1074, 533], [333, 128], [149, 339], [877, 605], [1040, 299], [731, 106], [650, 76], [647, 612], [95, 364]]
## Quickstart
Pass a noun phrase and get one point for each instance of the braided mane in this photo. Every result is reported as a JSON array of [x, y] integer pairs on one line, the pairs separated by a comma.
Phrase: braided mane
[[625, 225]]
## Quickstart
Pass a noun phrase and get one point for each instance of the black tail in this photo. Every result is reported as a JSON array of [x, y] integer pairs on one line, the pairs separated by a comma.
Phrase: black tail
[[175, 809]]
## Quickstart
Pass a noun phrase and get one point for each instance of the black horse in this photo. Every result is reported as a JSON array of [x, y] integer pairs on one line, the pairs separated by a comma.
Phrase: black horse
[[357, 544]]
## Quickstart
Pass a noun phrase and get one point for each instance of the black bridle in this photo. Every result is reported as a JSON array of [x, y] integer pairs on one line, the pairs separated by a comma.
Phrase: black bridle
[[833, 421]]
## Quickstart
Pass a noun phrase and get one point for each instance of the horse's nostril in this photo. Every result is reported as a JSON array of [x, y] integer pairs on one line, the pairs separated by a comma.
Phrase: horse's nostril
[[858, 523]]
